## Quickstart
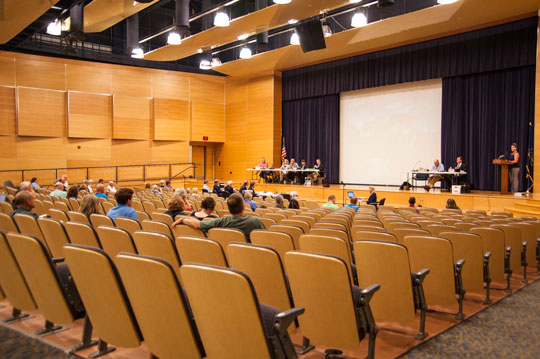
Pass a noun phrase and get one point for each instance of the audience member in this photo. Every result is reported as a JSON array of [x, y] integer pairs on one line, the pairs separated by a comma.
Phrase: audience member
[[219, 191], [162, 183], [89, 184], [111, 188], [451, 204], [207, 209], [123, 208], [100, 191], [101, 181], [147, 186], [293, 204], [25, 186], [63, 180], [23, 203], [229, 188], [73, 192], [437, 167], [59, 190], [205, 188], [412, 204], [34, 183], [175, 207], [182, 193], [252, 188], [353, 203], [244, 187], [279, 202], [90, 205], [238, 220], [331, 202], [248, 199], [301, 176], [167, 184], [195, 190], [156, 189]]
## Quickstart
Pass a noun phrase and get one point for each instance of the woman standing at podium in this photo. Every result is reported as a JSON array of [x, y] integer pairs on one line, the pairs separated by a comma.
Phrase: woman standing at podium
[[514, 168]]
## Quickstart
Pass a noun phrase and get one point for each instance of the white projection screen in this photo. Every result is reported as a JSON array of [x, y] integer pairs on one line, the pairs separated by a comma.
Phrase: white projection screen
[[386, 131]]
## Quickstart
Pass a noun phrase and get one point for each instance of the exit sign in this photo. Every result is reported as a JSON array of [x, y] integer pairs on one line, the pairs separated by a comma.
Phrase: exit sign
[[205, 138]]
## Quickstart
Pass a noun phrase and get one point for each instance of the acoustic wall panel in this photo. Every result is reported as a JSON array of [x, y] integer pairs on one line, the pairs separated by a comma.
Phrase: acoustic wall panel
[[171, 120], [41, 112], [90, 115], [132, 117]]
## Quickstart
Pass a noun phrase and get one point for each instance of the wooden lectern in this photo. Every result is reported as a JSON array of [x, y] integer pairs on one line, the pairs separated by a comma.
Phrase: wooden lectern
[[504, 173]]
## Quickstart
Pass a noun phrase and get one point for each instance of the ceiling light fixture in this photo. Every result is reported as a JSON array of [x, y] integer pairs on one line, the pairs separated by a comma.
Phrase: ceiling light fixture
[[245, 53], [137, 53], [359, 19], [243, 36], [295, 39], [281, 1], [221, 19], [205, 65], [354, 1], [293, 21], [446, 2], [174, 38], [55, 28], [216, 61], [199, 51], [327, 31]]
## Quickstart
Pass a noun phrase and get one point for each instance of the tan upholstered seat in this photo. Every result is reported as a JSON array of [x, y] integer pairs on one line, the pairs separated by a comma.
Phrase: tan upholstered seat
[[200, 250], [225, 236], [155, 226], [512, 238], [141, 215], [83, 234], [374, 235], [112, 316], [528, 235], [61, 206], [465, 226], [281, 242], [157, 245], [7, 224], [74, 203], [39, 208], [217, 296], [151, 283], [5, 208], [55, 235], [185, 230], [162, 217], [115, 240], [390, 226], [149, 207], [436, 229], [298, 223], [100, 220], [275, 216], [78, 217], [263, 211], [493, 241], [366, 222], [294, 231], [330, 319], [28, 225], [287, 213], [310, 220], [267, 222], [400, 233], [128, 224], [58, 215]]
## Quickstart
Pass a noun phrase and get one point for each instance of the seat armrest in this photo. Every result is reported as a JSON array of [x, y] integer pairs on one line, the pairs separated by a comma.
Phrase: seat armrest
[[58, 260], [367, 294], [459, 265], [487, 256], [418, 278], [284, 319]]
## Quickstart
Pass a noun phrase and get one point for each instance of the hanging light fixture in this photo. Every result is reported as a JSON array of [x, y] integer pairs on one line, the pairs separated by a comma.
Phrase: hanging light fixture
[[354, 1], [215, 61], [137, 53], [55, 28], [243, 36], [174, 38], [245, 53], [221, 19], [281, 1], [295, 39], [292, 21], [359, 19], [446, 2], [327, 31], [205, 65]]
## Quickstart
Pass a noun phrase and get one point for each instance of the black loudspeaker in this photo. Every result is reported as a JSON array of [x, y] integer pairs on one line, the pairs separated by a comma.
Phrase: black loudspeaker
[[311, 36]]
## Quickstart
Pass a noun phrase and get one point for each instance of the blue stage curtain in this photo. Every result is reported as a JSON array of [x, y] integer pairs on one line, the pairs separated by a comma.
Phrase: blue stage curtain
[[311, 131], [482, 115]]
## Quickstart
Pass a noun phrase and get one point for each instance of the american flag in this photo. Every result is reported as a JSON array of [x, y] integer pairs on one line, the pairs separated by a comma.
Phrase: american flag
[[283, 150]]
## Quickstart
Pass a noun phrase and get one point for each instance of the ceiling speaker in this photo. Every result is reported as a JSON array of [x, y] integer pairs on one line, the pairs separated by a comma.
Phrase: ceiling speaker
[[311, 36]]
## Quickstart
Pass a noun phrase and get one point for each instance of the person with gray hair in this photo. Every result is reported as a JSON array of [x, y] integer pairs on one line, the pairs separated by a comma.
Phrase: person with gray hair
[[23, 203], [279, 202], [59, 190], [25, 186], [182, 193], [248, 199]]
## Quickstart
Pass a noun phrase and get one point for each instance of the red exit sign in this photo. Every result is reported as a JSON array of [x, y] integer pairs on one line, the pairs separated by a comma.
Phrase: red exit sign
[[205, 138]]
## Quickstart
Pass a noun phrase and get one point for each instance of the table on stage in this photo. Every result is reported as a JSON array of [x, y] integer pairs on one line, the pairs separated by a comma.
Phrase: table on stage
[[452, 176], [255, 171]]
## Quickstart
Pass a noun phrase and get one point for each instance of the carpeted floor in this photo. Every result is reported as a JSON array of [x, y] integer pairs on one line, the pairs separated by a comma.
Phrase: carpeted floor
[[508, 329], [14, 345]]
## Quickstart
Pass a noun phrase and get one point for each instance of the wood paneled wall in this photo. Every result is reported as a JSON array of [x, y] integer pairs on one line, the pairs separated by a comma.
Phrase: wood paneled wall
[[66, 113], [252, 126]]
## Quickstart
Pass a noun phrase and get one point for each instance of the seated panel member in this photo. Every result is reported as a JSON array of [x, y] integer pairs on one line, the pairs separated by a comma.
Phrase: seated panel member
[[437, 167], [292, 173], [301, 176], [461, 167], [284, 171], [263, 164], [318, 166]]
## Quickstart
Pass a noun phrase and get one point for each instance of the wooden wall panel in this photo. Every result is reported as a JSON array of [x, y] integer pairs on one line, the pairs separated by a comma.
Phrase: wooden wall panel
[[107, 173], [260, 110], [236, 91], [171, 120], [7, 71], [171, 86], [207, 119], [126, 152], [134, 82], [44, 177], [40, 74], [40, 152], [41, 113], [130, 173], [7, 110], [207, 90], [157, 172], [88, 149], [132, 117], [175, 169], [90, 115], [170, 151], [74, 175], [88, 79]]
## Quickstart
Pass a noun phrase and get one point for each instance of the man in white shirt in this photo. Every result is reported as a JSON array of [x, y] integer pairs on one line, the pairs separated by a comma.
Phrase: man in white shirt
[[292, 174], [437, 167], [111, 188], [284, 170]]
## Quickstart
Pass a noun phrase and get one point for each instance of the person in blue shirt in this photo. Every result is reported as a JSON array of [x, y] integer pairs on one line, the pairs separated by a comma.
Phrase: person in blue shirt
[[123, 209], [248, 199], [100, 191], [353, 203]]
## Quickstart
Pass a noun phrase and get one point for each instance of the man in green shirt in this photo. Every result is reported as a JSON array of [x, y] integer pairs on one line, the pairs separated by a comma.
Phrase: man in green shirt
[[331, 202], [23, 203], [238, 220]]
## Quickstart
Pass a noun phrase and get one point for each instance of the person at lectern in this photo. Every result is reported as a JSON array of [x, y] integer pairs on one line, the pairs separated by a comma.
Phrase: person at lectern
[[437, 167], [514, 168]]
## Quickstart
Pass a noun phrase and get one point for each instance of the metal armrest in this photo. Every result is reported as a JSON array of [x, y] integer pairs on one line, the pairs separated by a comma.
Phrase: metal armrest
[[523, 254], [459, 287], [418, 278], [368, 293], [58, 260], [284, 319], [487, 277]]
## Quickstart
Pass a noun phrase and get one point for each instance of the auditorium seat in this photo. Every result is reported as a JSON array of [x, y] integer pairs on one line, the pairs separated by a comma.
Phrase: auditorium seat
[[107, 206], [464, 226], [115, 240], [161, 217], [185, 230], [5, 208], [149, 207], [499, 263], [267, 222], [225, 236], [52, 288], [158, 203], [287, 213], [281, 242], [61, 206], [436, 229], [332, 232], [401, 292], [14, 284], [252, 214], [100, 220], [355, 228], [58, 215], [324, 224], [141, 216], [168, 330], [83, 234], [74, 204], [512, 239], [528, 239], [445, 279], [390, 226], [137, 205], [55, 235], [401, 233], [498, 213], [276, 216], [157, 245], [158, 227], [294, 231], [336, 219], [300, 217], [296, 222], [374, 235], [366, 222], [476, 212], [201, 250], [112, 316], [7, 224], [39, 208], [451, 211], [332, 246], [217, 296], [316, 216], [263, 211], [28, 225], [78, 217], [129, 224], [342, 317]]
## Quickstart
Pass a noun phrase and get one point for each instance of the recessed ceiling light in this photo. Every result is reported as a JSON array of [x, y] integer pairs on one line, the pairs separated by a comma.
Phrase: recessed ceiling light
[[293, 21], [245, 53], [221, 19], [137, 53], [359, 20], [243, 36]]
